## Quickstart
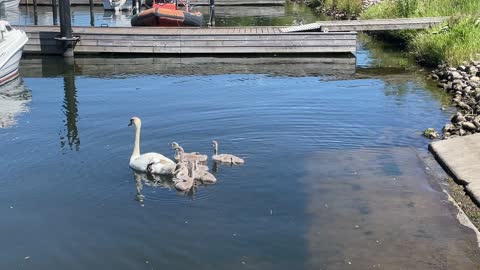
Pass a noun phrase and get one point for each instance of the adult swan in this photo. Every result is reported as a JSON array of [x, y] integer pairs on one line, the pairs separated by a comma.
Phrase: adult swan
[[153, 163]]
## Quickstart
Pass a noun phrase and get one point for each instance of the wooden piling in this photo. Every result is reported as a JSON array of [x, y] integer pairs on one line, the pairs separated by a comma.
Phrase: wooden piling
[[66, 36], [54, 12]]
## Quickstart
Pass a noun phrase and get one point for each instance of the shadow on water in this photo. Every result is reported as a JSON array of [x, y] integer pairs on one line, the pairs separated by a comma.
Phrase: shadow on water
[[69, 136]]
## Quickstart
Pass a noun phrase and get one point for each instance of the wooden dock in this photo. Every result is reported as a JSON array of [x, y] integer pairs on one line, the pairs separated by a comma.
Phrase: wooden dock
[[167, 40], [194, 2], [367, 25]]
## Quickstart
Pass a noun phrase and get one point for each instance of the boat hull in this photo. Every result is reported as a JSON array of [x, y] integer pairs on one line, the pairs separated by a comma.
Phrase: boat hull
[[166, 17], [10, 70], [9, 3]]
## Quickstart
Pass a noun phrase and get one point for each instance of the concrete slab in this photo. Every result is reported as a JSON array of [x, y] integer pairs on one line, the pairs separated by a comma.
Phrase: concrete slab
[[461, 158]]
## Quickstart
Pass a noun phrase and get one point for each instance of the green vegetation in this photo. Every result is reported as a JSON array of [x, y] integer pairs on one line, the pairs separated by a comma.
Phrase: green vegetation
[[453, 42], [350, 7]]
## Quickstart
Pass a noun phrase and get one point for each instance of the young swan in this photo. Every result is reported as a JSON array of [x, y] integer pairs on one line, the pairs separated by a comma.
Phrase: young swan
[[184, 182], [194, 156], [225, 158], [153, 163], [203, 175]]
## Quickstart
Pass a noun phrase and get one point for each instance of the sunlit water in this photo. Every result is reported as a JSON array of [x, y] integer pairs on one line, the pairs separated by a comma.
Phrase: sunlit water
[[291, 14], [327, 184]]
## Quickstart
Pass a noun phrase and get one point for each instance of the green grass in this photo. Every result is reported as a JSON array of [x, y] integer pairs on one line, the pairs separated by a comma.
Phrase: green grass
[[455, 41]]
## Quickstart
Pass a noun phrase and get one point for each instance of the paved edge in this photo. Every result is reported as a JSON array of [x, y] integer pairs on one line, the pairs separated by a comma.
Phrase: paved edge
[[460, 157]]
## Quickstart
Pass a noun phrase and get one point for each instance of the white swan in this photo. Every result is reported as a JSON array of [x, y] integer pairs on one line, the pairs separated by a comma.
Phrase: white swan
[[225, 158], [153, 163]]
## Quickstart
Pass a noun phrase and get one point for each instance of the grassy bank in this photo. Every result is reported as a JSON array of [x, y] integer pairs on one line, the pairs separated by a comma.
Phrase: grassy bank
[[453, 42]]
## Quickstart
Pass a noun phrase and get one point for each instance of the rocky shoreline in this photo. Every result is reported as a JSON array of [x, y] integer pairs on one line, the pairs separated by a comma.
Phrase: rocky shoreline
[[463, 83]]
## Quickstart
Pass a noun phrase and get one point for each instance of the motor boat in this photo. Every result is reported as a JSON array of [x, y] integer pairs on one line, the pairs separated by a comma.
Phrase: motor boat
[[167, 14], [11, 47], [5, 4], [117, 5]]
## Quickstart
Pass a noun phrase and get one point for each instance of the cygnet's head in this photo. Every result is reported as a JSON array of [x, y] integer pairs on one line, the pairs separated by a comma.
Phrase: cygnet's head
[[174, 145], [135, 120]]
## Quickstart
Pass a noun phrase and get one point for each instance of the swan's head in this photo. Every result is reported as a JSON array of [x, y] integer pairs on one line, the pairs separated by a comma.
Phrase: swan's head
[[174, 145], [136, 121], [215, 144]]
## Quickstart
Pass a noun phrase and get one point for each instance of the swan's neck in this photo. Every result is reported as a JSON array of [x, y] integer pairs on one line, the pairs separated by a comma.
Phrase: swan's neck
[[136, 147], [215, 150]]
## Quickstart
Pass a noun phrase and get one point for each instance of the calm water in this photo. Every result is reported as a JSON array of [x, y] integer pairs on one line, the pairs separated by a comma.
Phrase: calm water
[[225, 16], [331, 179]]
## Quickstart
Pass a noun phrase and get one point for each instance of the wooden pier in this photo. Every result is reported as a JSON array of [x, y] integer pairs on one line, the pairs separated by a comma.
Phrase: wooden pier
[[367, 25], [163, 40], [320, 37]]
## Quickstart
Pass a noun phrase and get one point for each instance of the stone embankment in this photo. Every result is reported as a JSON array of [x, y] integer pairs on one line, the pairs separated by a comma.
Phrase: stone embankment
[[463, 83]]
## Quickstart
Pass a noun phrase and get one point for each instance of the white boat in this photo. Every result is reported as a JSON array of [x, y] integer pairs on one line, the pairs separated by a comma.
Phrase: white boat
[[117, 5], [4, 4], [11, 47], [14, 99]]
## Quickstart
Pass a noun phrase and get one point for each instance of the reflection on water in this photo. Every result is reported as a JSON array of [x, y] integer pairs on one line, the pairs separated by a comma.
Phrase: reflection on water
[[339, 67], [70, 109], [14, 99]]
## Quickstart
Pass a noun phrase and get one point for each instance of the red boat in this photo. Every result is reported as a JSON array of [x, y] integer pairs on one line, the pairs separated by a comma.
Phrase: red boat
[[167, 14]]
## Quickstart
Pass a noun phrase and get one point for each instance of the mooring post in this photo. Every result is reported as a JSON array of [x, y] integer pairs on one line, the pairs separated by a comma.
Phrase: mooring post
[[54, 11], [134, 7], [92, 16], [66, 37], [35, 12], [211, 21]]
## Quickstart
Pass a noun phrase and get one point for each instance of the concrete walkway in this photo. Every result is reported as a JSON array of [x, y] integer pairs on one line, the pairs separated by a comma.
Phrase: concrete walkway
[[461, 158]]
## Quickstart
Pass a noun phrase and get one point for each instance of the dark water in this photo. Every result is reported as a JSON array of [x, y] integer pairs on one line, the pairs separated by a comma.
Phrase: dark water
[[331, 179], [290, 14]]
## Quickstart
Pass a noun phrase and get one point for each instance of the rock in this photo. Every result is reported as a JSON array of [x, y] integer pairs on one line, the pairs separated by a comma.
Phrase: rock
[[476, 122], [475, 63], [462, 68], [435, 77], [468, 126], [457, 118], [475, 79], [461, 132], [464, 106], [452, 69], [456, 75], [448, 128], [472, 70], [430, 133]]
